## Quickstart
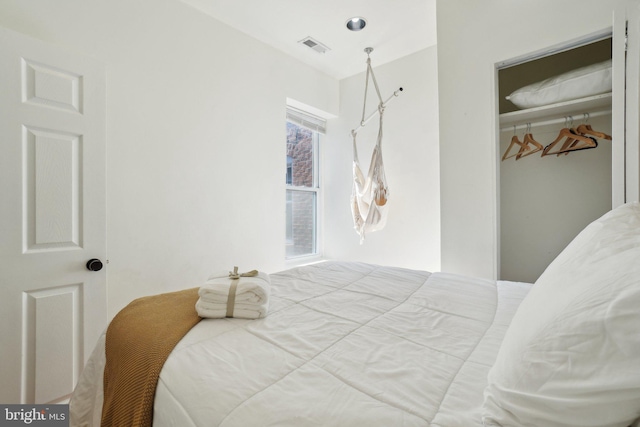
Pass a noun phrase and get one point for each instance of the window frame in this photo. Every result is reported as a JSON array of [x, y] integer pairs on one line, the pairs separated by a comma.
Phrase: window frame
[[315, 189]]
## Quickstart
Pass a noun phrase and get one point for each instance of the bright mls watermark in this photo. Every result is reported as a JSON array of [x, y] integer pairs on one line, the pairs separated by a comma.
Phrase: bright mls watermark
[[34, 415]]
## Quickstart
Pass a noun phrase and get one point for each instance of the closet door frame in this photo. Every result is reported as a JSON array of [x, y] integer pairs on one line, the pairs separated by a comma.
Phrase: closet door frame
[[618, 163], [626, 108], [627, 47]]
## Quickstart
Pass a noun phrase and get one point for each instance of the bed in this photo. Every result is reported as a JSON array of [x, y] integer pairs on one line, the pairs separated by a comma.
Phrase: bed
[[355, 344]]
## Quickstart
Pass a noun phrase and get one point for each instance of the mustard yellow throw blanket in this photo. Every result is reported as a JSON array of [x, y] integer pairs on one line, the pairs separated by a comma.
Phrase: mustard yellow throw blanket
[[138, 341]]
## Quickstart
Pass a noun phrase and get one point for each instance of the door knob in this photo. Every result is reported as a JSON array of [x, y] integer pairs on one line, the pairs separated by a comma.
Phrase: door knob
[[94, 264]]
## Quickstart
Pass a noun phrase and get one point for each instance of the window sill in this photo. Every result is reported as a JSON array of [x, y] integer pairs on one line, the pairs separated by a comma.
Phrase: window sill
[[303, 260]]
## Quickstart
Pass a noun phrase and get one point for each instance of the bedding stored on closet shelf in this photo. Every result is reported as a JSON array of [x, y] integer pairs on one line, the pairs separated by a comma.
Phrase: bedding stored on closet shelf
[[582, 82]]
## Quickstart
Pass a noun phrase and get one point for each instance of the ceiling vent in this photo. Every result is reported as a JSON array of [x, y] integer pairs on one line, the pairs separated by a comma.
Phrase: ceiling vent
[[314, 44]]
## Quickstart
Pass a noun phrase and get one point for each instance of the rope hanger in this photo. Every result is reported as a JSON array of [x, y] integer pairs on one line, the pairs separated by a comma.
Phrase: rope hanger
[[382, 104], [370, 194]]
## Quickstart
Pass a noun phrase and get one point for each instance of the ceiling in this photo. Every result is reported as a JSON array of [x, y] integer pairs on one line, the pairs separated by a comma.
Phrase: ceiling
[[395, 28]]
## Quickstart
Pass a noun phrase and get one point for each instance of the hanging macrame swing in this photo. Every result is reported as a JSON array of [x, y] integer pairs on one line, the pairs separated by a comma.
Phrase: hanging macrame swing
[[369, 195]]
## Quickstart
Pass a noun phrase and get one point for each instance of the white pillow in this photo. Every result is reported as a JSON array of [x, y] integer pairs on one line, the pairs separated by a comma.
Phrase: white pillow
[[586, 81], [571, 356]]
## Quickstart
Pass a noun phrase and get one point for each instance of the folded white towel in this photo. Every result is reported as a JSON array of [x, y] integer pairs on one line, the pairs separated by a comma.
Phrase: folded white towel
[[213, 310], [251, 296]]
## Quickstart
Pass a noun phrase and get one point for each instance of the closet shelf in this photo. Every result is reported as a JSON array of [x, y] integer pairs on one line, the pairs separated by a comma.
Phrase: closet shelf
[[576, 108]]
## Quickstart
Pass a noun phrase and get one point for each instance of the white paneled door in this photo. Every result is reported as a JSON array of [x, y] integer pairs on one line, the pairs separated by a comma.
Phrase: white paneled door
[[52, 217]]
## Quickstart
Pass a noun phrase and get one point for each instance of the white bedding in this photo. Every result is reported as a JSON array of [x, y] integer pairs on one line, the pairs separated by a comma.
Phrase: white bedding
[[344, 344]]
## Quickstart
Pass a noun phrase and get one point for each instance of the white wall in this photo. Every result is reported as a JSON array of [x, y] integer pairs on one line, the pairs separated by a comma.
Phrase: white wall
[[472, 37], [195, 136], [411, 237]]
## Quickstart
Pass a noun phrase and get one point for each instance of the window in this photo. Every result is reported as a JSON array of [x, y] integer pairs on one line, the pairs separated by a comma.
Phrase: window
[[302, 183]]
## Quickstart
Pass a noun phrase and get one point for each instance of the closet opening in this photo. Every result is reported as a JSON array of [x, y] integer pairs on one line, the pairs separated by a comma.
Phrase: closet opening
[[555, 149]]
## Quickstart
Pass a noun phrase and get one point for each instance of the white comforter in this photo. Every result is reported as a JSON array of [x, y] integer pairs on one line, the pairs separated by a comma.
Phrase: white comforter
[[344, 344]]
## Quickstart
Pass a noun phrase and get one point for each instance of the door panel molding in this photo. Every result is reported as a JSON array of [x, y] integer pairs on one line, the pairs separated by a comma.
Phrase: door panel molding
[[52, 190], [52, 342], [46, 86]]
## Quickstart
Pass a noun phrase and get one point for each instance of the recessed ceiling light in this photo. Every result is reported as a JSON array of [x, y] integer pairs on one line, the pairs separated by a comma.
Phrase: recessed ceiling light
[[356, 23]]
